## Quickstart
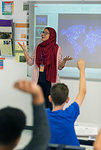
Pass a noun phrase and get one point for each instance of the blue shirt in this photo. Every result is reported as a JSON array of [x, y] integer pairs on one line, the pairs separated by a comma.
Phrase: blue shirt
[[62, 125]]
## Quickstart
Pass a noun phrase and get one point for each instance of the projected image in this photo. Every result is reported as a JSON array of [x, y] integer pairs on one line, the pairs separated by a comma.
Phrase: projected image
[[80, 37]]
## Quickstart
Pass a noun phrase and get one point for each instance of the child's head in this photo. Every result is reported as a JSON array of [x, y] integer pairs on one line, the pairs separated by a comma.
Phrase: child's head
[[59, 93], [12, 122]]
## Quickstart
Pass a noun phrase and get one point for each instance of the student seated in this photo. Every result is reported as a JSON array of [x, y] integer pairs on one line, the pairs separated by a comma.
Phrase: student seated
[[12, 121], [62, 121]]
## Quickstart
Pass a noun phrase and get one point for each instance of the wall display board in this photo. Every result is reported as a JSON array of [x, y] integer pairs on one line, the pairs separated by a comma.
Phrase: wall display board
[[20, 36], [7, 7], [6, 40]]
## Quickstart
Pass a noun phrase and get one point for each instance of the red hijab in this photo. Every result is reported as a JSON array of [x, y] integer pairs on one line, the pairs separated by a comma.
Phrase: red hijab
[[48, 51]]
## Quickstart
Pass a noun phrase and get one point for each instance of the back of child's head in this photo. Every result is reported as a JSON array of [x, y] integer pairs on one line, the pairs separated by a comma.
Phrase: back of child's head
[[12, 122], [59, 93]]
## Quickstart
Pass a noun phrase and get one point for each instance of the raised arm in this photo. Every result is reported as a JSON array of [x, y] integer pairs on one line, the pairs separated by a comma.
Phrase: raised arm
[[41, 134], [82, 83], [24, 50], [31, 88]]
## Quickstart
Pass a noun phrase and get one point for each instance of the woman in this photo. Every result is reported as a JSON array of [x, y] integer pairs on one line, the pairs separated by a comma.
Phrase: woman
[[47, 59]]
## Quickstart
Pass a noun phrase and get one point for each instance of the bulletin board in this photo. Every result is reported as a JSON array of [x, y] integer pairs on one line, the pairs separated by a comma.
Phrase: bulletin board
[[21, 37], [6, 38]]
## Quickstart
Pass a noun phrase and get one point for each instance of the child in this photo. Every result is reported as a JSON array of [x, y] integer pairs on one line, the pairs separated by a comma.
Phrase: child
[[62, 121], [12, 121]]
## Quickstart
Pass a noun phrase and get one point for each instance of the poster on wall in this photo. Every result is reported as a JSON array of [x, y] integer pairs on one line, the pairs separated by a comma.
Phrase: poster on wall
[[6, 38], [7, 7], [2, 63], [5, 47], [21, 37]]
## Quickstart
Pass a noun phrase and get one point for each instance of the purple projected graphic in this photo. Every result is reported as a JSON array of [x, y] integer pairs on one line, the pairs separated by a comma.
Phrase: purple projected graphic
[[92, 39], [72, 34], [80, 37]]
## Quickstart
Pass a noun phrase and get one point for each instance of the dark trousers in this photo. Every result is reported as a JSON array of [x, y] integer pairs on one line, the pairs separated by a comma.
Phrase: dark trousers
[[45, 85]]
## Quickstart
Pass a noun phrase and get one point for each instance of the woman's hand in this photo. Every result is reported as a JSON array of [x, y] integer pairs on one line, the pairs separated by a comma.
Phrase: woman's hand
[[67, 58], [22, 46]]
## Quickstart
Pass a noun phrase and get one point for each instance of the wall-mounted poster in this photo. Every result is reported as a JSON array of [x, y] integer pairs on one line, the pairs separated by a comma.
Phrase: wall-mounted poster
[[2, 63], [7, 7], [20, 36], [6, 37], [41, 19]]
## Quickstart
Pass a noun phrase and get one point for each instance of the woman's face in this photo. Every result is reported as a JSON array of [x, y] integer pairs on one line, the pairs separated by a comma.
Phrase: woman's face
[[45, 35]]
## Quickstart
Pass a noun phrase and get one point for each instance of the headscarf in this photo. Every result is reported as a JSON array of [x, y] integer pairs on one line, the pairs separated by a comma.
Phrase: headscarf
[[48, 49]]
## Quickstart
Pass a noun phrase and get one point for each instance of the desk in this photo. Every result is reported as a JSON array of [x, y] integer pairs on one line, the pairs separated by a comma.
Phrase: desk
[[86, 133], [85, 141]]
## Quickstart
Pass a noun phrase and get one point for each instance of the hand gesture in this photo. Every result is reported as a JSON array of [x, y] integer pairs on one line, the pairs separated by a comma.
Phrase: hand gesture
[[31, 88], [81, 64], [22, 46], [67, 58], [27, 86]]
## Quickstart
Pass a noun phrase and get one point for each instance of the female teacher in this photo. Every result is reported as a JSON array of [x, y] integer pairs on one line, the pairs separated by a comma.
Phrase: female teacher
[[47, 59]]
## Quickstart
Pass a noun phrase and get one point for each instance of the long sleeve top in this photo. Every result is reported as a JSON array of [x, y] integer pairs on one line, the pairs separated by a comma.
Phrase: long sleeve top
[[35, 74], [41, 134]]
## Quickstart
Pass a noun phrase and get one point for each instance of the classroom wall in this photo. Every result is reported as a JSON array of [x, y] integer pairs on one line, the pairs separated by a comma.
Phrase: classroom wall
[[14, 71], [19, 15], [90, 110]]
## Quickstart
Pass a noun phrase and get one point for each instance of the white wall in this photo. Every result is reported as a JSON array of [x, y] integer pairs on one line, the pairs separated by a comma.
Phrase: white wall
[[90, 111], [8, 95]]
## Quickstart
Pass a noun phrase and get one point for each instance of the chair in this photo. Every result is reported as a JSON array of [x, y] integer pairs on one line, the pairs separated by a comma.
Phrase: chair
[[64, 147]]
